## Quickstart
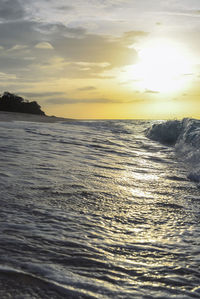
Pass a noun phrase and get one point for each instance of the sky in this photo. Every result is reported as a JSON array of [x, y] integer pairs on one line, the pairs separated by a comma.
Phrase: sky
[[103, 58]]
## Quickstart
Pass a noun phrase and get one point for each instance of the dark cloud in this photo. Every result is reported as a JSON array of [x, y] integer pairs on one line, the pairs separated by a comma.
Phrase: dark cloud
[[73, 46], [19, 32], [86, 88], [65, 8], [32, 32], [65, 101], [9, 63], [41, 94], [11, 10], [60, 30]]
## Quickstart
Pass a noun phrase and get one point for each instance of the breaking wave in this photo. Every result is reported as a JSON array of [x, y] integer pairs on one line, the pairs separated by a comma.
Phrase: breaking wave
[[185, 137]]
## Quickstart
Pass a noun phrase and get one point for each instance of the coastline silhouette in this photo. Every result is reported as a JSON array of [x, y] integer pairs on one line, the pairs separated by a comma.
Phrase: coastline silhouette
[[14, 103]]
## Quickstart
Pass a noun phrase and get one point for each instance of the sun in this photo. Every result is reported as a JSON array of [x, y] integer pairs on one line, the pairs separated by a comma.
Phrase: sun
[[163, 67]]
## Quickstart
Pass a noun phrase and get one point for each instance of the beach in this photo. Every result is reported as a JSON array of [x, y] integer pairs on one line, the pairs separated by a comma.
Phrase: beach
[[15, 116]]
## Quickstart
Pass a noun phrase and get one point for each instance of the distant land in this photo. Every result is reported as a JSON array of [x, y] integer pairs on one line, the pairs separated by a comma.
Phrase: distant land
[[14, 107], [14, 103]]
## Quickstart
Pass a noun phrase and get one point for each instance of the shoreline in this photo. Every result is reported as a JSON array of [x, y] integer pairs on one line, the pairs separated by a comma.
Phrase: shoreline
[[6, 116]]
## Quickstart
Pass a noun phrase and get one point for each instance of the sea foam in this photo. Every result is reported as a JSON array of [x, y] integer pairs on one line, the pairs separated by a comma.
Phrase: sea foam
[[185, 137]]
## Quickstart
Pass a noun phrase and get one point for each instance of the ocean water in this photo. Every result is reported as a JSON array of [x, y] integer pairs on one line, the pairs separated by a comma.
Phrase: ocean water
[[100, 209]]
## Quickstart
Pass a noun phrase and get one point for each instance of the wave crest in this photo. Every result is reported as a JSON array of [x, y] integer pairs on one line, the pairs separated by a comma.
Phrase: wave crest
[[185, 136], [166, 132]]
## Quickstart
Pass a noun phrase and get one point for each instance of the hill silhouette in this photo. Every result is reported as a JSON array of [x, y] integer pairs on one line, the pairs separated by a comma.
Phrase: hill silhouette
[[14, 103]]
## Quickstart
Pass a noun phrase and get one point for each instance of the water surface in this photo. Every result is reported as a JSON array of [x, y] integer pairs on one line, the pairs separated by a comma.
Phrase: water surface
[[95, 209]]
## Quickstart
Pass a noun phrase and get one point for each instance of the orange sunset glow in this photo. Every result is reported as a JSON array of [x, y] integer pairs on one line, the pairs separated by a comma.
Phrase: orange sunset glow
[[104, 59]]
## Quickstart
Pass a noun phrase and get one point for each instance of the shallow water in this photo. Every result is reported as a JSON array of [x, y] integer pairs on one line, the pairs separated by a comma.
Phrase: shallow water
[[94, 209]]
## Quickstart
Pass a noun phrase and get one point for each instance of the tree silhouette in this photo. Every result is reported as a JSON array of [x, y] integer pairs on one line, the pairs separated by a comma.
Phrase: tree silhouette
[[14, 103]]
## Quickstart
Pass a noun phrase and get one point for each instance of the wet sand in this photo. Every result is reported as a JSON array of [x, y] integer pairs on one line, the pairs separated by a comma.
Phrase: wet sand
[[15, 116]]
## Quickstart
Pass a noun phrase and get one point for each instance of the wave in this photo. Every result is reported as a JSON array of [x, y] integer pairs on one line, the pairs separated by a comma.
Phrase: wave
[[22, 283], [184, 135]]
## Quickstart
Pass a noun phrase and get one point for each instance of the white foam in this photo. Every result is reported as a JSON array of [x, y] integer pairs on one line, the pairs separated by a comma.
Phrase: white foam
[[185, 136]]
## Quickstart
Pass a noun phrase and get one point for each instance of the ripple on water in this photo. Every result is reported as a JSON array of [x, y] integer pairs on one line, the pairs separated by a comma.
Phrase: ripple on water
[[95, 210]]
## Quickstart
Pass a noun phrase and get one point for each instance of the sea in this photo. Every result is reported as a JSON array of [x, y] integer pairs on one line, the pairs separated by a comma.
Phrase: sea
[[100, 209]]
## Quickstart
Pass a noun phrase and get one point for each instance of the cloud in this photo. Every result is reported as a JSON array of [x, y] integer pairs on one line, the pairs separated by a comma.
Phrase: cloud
[[5, 76], [11, 10], [65, 8], [17, 48], [183, 12], [21, 32], [95, 48], [44, 45], [58, 30], [14, 64], [189, 74], [86, 88], [41, 94], [151, 91], [75, 70], [69, 101], [130, 37], [82, 55]]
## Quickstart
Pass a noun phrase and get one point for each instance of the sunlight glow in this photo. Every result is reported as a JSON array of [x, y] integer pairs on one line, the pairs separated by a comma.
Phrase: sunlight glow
[[163, 67]]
